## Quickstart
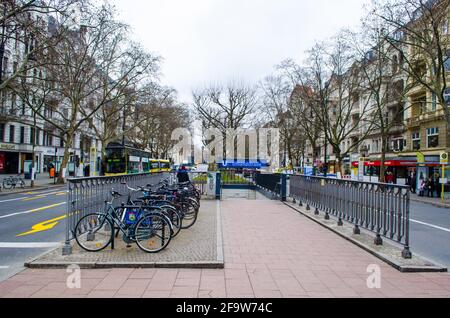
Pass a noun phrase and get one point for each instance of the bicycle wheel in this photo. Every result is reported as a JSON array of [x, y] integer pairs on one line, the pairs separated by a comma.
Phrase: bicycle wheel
[[22, 183], [174, 217], [94, 232], [189, 215], [7, 184], [153, 232]]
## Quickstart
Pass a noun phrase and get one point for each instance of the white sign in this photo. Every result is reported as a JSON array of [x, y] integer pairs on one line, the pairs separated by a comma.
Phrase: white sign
[[443, 181], [134, 159], [202, 168]]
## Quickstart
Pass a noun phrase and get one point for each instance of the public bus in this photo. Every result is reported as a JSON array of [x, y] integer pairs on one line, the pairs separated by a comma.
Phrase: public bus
[[121, 160]]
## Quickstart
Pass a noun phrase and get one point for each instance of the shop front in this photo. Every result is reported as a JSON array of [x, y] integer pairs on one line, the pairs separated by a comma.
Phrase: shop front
[[400, 169]]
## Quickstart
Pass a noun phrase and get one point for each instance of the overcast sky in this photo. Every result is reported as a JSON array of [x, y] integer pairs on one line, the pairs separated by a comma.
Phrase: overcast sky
[[204, 41]]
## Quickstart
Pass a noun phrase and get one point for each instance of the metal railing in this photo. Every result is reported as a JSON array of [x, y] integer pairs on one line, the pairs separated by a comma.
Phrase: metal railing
[[269, 182], [378, 207], [87, 195]]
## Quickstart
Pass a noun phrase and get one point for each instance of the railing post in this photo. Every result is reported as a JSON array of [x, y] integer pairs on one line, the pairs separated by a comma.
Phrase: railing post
[[67, 248], [218, 185], [283, 190], [406, 253]]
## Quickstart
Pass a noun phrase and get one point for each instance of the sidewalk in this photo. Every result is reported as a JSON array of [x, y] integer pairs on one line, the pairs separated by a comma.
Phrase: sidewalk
[[434, 201], [42, 181], [270, 251]]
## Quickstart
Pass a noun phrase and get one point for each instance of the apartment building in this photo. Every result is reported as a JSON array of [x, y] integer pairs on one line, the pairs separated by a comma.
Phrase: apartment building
[[18, 129]]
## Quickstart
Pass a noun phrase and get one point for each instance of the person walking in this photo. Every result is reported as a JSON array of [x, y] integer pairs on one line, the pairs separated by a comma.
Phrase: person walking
[[422, 187]]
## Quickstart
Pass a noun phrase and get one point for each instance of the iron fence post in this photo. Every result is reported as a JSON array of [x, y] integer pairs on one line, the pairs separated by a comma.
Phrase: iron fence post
[[283, 190]]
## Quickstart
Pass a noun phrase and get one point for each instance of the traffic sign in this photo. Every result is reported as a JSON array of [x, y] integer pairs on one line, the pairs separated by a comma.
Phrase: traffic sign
[[444, 158]]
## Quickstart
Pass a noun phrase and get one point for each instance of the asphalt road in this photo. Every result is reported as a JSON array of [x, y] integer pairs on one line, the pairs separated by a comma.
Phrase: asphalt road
[[30, 224], [430, 232]]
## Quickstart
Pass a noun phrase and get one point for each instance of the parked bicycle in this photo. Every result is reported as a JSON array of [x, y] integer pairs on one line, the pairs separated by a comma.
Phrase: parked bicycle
[[150, 220], [12, 182], [150, 229]]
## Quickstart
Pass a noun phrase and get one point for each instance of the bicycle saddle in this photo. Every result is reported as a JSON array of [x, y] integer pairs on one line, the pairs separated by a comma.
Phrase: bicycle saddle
[[116, 194]]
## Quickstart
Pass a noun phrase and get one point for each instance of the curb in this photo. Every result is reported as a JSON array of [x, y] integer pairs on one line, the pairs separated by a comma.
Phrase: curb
[[103, 265], [36, 188], [393, 263]]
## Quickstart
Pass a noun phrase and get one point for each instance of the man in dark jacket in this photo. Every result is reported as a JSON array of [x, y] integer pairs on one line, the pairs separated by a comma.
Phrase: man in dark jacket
[[182, 175]]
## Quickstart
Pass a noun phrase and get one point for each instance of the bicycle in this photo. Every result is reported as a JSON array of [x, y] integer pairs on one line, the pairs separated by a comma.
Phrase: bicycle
[[150, 229], [12, 181], [158, 202]]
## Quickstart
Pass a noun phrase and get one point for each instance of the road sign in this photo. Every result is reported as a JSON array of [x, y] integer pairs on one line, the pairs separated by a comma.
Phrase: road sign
[[444, 158]]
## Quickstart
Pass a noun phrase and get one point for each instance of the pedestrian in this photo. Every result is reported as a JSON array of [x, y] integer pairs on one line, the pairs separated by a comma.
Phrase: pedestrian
[[422, 187], [413, 182], [430, 187], [182, 175], [437, 184], [389, 177]]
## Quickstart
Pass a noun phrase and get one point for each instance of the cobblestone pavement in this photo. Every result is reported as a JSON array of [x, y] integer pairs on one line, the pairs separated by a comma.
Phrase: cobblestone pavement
[[198, 243], [270, 251]]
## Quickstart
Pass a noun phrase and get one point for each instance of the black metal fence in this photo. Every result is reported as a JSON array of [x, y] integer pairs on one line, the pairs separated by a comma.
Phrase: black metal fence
[[269, 182], [87, 195], [377, 207]]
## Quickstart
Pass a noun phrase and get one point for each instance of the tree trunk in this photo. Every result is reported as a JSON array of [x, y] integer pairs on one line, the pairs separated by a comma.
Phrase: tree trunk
[[339, 160], [33, 152], [61, 177]]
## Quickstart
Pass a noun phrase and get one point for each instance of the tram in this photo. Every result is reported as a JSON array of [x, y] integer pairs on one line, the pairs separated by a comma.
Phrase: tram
[[122, 160]]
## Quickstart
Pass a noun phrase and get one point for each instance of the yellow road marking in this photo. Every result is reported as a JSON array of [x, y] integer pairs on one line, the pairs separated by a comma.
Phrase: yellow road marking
[[47, 207], [33, 198], [44, 226]]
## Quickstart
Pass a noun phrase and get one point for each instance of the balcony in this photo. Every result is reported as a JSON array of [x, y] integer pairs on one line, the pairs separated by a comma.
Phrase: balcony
[[419, 119]]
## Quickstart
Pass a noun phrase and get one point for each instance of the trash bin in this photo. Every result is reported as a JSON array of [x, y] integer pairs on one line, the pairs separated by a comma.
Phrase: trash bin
[[52, 172]]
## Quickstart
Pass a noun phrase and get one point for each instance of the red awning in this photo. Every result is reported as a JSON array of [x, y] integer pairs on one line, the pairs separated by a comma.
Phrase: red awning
[[388, 163]]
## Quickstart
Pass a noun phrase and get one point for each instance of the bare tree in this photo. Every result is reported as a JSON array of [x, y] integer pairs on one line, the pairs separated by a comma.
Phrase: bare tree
[[224, 108], [334, 80], [27, 27], [160, 114], [381, 78], [302, 101], [277, 106], [91, 68]]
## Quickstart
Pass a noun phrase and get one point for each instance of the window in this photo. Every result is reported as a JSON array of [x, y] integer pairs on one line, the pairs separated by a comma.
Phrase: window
[[445, 27], [397, 144], [22, 135], [32, 133], [394, 64], [447, 61], [2, 132], [11, 133], [419, 105], [415, 137], [447, 96], [5, 65], [432, 137], [433, 102]]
